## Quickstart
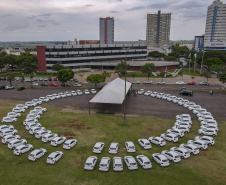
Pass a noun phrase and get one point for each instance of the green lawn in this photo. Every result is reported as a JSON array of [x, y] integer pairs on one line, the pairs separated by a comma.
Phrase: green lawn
[[192, 73], [209, 167]]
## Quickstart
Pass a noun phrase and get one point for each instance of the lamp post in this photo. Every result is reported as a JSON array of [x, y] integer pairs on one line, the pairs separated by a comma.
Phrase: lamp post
[[202, 60]]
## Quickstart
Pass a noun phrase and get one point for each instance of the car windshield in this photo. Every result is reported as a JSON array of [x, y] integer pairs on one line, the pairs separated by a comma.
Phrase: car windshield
[[131, 147], [132, 163], [177, 156], [103, 165], [112, 148], [162, 141], [186, 152], [165, 160], [147, 162], [96, 148], [50, 158], [66, 144], [31, 155], [88, 164], [16, 150], [196, 148], [118, 165], [147, 143]]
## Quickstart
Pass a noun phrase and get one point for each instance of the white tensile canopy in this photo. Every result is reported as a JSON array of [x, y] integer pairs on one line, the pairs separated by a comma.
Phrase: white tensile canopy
[[112, 93]]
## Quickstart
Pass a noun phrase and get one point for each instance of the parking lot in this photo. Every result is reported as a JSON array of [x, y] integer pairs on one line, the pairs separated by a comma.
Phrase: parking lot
[[135, 105]]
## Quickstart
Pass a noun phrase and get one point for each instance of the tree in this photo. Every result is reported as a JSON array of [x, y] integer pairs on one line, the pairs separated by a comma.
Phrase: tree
[[64, 75], [29, 67], [24, 56], [174, 54], [181, 74], [148, 68], [218, 68], [10, 77], [2, 63], [170, 58], [213, 61], [162, 74], [57, 67], [156, 54], [10, 60], [207, 75], [96, 79], [121, 68], [211, 54], [182, 50], [133, 75], [222, 78]]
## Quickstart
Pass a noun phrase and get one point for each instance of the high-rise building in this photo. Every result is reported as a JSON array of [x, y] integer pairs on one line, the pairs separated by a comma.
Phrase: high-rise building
[[215, 33], [199, 43], [158, 29], [107, 30]]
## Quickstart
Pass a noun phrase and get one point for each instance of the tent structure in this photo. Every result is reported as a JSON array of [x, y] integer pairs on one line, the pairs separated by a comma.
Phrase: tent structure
[[112, 93]]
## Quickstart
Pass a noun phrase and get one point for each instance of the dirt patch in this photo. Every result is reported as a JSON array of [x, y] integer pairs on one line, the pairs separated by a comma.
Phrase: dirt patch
[[78, 162], [59, 125]]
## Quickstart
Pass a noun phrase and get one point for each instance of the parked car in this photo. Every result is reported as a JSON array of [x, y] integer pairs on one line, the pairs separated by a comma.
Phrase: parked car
[[176, 132], [144, 143], [192, 149], [2, 87], [183, 128], [44, 84], [170, 137], [55, 79], [183, 116], [90, 163], [154, 94], [9, 87], [8, 120], [14, 143], [148, 82], [6, 139], [113, 149], [21, 88], [69, 144], [200, 144], [54, 157], [37, 154], [161, 83], [8, 132], [117, 164], [57, 141], [41, 133], [50, 79], [18, 110], [75, 80], [147, 93], [79, 92], [104, 164], [77, 85], [160, 159], [73, 93], [34, 84], [40, 109], [4, 127], [45, 79], [186, 93], [191, 83], [180, 83], [182, 152], [207, 139], [208, 132], [53, 84], [157, 140], [204, 83], [141, 91], [93, 91], [98, 147], [65, 85], [135, 82], [130, 163], [31, 104], [19, 150], [48, 137], [171, 156], [144, 161], [86, 91], [130, 146]]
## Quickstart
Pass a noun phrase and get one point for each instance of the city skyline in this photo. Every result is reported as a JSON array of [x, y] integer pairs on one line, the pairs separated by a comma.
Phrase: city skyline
[[62, 20]]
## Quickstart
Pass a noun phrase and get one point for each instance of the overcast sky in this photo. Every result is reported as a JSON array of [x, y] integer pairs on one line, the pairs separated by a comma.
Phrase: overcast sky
[[62, 20]]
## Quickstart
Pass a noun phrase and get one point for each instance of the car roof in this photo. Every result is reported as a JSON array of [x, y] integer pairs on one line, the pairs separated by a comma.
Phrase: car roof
[[118, 160], [20, 146], [130, 143], [131, 159], [98, 144], [104, 160], [90, 159], [35, 151], [144, 158], [113, 144], [161, 156], [145, 140]]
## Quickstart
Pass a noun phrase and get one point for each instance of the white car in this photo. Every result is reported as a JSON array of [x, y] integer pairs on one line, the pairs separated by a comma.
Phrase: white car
[[141, 91], [50, 97], [200, 111], [13, 115], [206, 119], [73, 93], [208, 132], [164, 97], [8, 120], [183, 116], [57, 141], [157, 140], [68, 94], [177, 132], [172, 156], [16, 142], [40, 109], [79, 92], [154, 94], [186, 105], [209, 121], [48, 137], [194, 107], [144, 161], [36, 112], [32, 116], [62, 95], [182, 102], [39, 102], [113, 149], [44, 99], [211, 126], [182, 152], [180, 83], [77, 85], [130, 146], [93, 91], [161, 83], [209, 140], [98, 147], [19, 150], [148, 82], [104, 164], [30, 120], [117, 164], [191, 148], [185, 120], [160, 95], [182, 128], [9, 127], [22, 106], [34, 84], [176, 100], [41, 133], [182, 124], [147, 93], [57, 96], [200, 144], [6, 139], [171, 98], [86, 91], [170, 137], [54, 157], [30, 125], [201, 114], [36, 154], [90, 163], [144, 143], [18, 110], [34, 130], [31, 104], [8, 132], [131, 163], [160, 159], [69, 144]]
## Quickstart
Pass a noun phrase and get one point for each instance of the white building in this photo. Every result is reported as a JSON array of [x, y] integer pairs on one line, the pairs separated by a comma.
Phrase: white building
[[106, 30], [215, 33]]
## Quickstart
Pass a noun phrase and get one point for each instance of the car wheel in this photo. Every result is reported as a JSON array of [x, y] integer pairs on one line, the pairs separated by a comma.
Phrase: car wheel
[[31, 148], [202, 149], [36, 159], [182, 157], [6, 143], [186, 132], [158, 144], [172, 161], [172, 141], [202, 134], [214, 135], [54, 163], [192, 153], [62, 155], [20, 154], [180, 93]]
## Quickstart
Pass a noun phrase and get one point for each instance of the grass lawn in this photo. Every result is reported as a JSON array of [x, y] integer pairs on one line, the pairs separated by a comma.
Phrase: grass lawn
[[209, 167], [192, 73]]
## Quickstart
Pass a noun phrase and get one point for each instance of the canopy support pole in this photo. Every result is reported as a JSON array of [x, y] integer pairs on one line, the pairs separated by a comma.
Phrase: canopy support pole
[[89, 107]]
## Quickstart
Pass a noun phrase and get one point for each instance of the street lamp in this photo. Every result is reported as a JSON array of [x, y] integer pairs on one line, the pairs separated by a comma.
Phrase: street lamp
[[202, 60]]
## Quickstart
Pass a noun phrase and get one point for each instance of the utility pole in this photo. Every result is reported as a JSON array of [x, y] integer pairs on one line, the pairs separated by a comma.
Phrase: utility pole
[[202, 60]]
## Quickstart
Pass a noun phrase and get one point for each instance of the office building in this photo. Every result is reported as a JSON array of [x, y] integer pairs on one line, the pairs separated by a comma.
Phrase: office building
[[199, 43], [158, 29], [106, 30], [215, 33]]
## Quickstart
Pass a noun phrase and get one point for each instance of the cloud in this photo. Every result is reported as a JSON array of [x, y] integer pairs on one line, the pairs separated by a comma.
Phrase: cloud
[[41, 26], [88, 5], [111, 1], [45, 15], [113, 11], [16, 26], [136, 8], [6, 15]]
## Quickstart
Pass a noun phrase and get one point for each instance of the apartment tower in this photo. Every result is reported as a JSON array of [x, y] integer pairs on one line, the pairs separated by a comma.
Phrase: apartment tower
[[215, 33], [158, 29], [106, 30]]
